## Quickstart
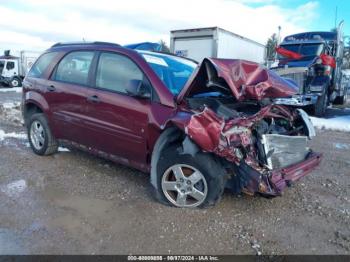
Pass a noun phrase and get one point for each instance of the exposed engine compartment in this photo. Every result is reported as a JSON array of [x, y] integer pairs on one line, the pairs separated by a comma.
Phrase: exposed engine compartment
[[225, 107], [280, 121], [256, 138]]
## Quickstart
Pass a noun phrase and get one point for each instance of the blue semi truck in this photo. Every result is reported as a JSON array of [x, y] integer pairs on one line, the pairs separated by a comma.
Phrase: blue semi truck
[[313, 62]]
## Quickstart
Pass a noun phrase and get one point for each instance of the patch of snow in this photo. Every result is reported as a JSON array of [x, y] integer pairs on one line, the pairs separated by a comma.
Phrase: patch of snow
[[10, 112], [63, 149], [4, 135], [14, 89], [10, 105], [341, 146], [15, 187], [337, 123]]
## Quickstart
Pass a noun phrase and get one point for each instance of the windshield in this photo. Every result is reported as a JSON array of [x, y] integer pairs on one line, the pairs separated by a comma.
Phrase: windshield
[[2, 64], [304, 49], [173, 71]]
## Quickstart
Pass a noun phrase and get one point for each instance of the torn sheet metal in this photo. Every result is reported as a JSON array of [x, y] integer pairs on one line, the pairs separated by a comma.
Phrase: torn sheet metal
[[230, 139]]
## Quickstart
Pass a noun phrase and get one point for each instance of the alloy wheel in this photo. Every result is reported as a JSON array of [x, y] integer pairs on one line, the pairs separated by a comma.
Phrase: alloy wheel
[[184, 186], [37, 135]]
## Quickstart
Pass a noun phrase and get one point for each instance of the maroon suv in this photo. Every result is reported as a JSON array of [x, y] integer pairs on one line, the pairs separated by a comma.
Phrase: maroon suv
[[196, 128]]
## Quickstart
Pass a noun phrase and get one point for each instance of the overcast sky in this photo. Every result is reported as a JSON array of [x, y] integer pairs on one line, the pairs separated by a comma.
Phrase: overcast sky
[[37, 24]]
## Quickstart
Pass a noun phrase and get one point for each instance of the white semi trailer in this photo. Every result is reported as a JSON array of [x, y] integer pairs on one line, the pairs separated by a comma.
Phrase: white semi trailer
[[14, 68], [215, 42]]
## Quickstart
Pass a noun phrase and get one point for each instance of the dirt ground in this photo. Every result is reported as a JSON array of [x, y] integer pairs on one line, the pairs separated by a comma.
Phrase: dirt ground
[[74, 203]]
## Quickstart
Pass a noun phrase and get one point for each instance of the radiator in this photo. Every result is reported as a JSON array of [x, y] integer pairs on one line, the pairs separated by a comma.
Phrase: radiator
[[297, 74], [282, 151]]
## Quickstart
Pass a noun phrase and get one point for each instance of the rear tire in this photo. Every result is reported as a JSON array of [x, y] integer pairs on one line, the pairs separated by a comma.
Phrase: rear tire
[[198, 179], [341, 100], [40, 137]]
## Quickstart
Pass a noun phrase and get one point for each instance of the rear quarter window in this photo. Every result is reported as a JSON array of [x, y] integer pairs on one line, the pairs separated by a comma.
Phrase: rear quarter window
[[39, 67]]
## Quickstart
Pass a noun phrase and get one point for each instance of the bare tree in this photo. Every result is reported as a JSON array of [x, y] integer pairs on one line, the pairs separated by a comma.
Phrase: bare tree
[[164, 47]]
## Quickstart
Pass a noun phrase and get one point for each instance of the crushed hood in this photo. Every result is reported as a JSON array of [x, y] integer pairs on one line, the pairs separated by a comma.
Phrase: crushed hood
[[245, 80]]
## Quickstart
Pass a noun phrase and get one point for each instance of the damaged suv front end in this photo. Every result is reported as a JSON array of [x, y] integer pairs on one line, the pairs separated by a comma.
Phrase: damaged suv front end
[[262, 145]]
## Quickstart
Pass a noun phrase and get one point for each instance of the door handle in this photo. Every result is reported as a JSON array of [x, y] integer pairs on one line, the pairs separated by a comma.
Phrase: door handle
[[51, 88], [93, 99]]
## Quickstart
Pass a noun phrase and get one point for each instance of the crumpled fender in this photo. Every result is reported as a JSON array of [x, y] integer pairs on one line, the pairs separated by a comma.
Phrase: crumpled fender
[[214, 134]]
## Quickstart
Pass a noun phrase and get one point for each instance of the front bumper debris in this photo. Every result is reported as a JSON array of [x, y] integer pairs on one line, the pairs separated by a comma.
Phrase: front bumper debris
[[297, 100], [250, 181], [284, 177], [5, 80]]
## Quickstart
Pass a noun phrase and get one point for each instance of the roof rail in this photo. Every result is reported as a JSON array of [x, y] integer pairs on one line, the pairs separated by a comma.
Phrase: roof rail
[[59, 44], [172, 54]]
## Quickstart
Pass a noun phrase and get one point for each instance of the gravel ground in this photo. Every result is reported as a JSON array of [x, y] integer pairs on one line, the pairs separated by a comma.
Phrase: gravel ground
[[73, 203]]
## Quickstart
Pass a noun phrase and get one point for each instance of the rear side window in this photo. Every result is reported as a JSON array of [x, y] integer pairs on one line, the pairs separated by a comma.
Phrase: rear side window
[[74, 68], [114, 72], [41, 64]]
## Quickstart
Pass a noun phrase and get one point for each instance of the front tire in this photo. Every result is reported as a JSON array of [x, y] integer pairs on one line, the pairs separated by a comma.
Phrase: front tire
[[15, 82], [321, 105], [189, 181], [40, 137]]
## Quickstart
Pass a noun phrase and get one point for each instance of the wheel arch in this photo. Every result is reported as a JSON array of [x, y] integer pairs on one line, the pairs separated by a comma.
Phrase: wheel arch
[[170, 135], [31, 107], [17, 77]]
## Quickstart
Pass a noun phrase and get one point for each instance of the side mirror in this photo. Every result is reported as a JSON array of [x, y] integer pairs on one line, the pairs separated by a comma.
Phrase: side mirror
[[137, 88]]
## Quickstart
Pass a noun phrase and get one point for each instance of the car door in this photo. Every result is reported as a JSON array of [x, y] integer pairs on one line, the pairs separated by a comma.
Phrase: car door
[[119, 119], [66, 93]]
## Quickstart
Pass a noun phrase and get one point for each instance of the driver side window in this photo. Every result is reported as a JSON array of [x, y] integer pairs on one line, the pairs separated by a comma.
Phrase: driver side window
[[115, 72], [10, 65]]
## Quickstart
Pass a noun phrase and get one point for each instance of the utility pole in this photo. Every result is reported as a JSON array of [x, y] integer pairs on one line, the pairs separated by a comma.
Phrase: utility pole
[[336, 17], [279, 35], [278, 39]]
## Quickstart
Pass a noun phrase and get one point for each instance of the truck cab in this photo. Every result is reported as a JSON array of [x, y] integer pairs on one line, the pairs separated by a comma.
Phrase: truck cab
[[313, 61], [14, 68], [9, 71]]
